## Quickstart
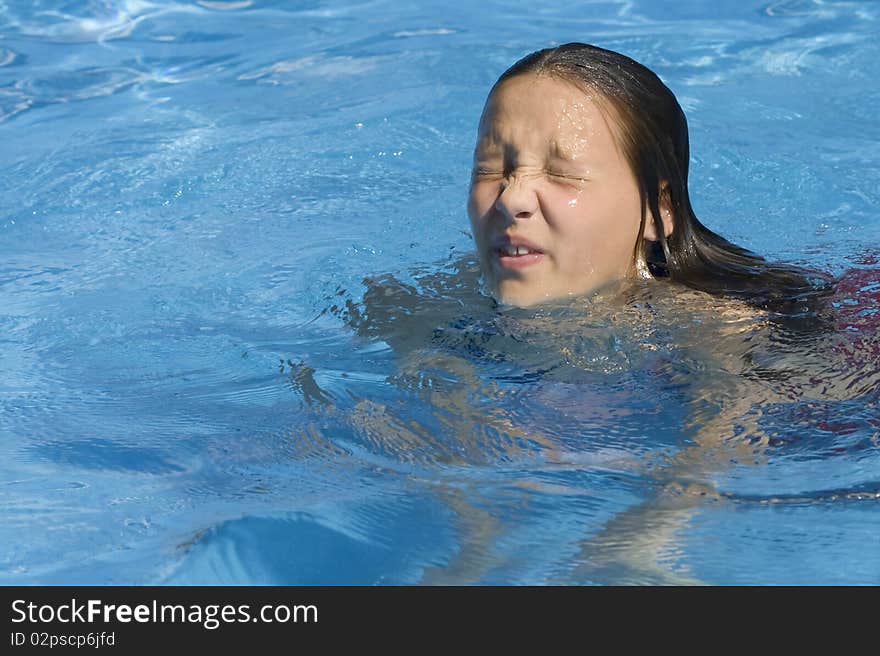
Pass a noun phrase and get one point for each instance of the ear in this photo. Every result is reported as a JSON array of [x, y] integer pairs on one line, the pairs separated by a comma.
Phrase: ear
[[665, 215]]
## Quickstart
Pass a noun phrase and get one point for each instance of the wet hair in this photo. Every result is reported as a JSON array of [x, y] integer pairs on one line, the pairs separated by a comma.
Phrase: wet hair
[[652, 133]]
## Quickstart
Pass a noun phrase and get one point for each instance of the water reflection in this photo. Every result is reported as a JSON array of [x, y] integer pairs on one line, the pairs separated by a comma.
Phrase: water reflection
[[666, 388]]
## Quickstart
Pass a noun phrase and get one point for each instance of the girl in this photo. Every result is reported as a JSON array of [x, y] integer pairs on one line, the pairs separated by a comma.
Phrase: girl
[[579, 191], [580, 181]]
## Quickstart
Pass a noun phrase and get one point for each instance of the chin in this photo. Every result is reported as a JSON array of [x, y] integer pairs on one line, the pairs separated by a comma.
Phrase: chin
[[524, 296], [521, 296]]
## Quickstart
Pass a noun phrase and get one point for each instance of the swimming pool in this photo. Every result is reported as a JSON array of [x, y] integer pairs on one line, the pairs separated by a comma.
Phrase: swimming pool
[[225, 226]]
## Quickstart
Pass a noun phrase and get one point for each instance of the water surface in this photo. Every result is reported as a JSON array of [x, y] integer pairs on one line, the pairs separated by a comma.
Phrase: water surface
[[243, 339]]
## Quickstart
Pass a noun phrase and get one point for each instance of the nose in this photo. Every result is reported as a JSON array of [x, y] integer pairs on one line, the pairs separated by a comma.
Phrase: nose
[[517, 199]]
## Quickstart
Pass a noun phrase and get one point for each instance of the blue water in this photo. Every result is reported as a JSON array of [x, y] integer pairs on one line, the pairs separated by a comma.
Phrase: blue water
[[243, 341]]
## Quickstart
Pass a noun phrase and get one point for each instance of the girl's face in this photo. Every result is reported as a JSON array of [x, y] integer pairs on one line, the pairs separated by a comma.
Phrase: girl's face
[[554, 207]]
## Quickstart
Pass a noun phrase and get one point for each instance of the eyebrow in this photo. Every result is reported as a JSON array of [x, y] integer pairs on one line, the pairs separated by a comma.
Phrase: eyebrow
[[489, 148], [489, 143]]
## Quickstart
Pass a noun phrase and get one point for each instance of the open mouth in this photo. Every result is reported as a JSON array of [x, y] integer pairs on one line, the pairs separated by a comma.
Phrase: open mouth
[[517, 251], [517, 256]]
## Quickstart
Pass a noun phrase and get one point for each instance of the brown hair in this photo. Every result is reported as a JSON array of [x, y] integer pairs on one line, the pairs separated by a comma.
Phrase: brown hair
[[653, 136]]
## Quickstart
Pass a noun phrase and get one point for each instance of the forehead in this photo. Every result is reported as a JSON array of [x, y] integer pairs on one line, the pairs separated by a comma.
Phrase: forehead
[[540, 112]]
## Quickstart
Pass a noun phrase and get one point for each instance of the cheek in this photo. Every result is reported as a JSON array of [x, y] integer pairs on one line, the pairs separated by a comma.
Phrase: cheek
[[473, 206], [583, 245], [597, 232], [571, 213], [481, 199]]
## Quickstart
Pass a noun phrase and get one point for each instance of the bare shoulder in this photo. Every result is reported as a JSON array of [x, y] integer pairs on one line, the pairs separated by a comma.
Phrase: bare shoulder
[[829, 356]]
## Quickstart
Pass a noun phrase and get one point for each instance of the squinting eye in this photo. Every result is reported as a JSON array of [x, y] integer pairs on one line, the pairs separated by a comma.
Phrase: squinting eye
[[485, 173], [566, 177]]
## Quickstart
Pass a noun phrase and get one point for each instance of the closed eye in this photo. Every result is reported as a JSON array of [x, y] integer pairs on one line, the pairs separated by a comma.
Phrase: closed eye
[[486, 172], [567, 176]]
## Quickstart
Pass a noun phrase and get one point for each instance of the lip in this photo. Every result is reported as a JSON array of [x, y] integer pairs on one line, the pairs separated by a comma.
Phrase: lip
[[516, 261]]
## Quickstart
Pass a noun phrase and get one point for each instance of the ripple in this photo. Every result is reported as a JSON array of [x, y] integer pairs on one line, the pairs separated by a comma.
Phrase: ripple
[[228, 5], [7, 56], [798, 8], [819, 9], [439, 31], [37, 485], [13, 102], [106, 455], [797, 56], [37, 276], [864, 492], [309, 549], [288, 71], [68, 86], [117, 21]]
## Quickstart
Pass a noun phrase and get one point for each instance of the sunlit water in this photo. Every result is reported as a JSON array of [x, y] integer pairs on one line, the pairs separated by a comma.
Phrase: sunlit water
[[243, 339]]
